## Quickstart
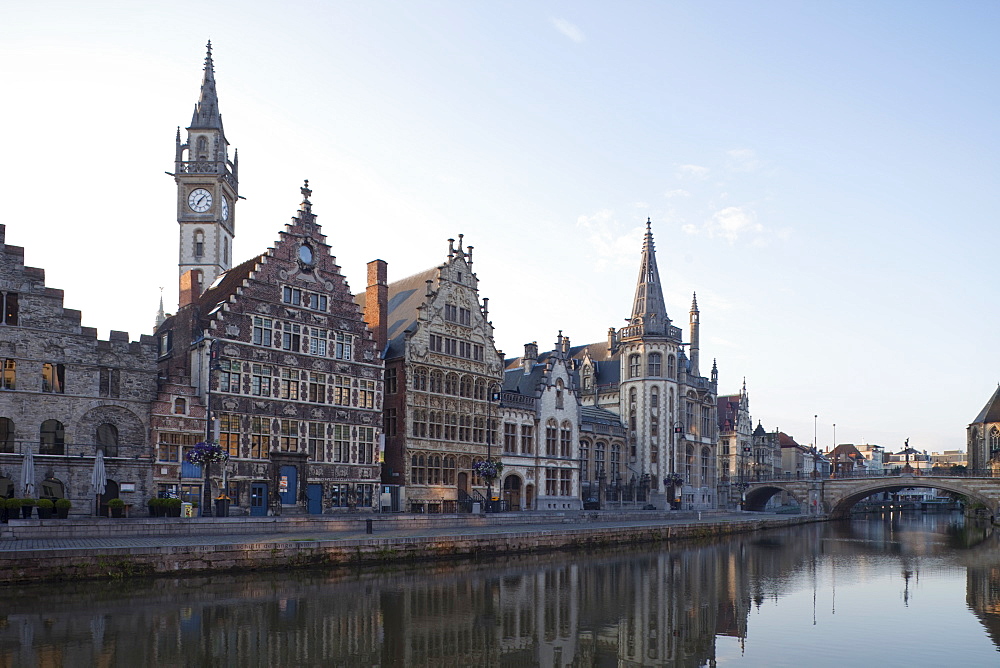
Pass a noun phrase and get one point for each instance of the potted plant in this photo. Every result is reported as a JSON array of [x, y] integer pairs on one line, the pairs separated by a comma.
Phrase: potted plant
[[44, 509], [116, 506], [13, 508], [173, 507], [26, 506], [62, 508]]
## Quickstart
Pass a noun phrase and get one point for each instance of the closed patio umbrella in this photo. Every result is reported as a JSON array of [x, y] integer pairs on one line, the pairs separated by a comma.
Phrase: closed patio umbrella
[[98, 480], [28, 475]]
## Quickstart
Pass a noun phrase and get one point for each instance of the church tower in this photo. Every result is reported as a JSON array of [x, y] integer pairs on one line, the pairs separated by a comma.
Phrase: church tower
[[207, 188]]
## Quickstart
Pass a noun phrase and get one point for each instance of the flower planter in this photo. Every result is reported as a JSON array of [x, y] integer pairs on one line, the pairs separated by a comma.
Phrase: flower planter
[[26, 512], [44, 513], [62, 513], [117, 512]]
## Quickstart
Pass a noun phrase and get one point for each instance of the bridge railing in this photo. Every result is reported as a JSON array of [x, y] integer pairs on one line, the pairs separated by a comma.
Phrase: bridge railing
[[891, 473]]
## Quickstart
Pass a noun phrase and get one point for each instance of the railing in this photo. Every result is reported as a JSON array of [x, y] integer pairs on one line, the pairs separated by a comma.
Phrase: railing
[[892, 473], [208, 167]]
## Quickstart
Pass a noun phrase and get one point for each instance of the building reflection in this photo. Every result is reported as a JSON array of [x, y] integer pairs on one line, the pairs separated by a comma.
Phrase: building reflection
[[616, 607]]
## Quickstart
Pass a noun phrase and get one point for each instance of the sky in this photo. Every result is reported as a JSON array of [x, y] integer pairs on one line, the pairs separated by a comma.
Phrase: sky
[[823, 175]]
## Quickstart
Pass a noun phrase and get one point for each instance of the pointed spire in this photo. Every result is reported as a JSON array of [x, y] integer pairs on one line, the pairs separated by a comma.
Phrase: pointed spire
[[694, 302], [160, 315], [206, 110], [648, 307]]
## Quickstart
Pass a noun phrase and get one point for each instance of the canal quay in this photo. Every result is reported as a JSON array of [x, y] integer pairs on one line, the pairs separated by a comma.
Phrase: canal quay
[[46, 550]]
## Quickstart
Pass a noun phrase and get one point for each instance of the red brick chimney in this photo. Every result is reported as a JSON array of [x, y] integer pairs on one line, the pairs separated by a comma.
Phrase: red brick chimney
[[190, 287], [377, 302]]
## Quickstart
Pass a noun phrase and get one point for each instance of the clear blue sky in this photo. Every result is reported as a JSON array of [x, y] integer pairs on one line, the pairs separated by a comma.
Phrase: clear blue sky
[[822, 174]]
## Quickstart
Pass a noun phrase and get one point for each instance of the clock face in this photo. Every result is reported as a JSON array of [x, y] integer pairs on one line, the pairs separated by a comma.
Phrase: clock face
[[225, 208], [306, 255], [200, 200]]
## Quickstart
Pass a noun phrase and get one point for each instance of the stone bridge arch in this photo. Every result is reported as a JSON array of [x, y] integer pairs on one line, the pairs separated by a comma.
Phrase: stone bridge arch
[[840, 502], [758, 495]]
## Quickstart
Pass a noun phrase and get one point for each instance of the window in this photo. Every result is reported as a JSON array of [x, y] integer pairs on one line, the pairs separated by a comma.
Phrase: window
[[551, 482], [345, 343], [340, 495], [465, 387], [510, 438], [260, 436], [6, 435], [565, 482], [705, 457], [436, 427], [316, 388], [171, 445], [451, 313], [52, 438], [260, 380], [584, 460], [291, 296], [8, 308], [317, 341], [527, 439], [480, 389], [654, 398], [366, 394], [420, 379], [654, 364], [689, 416], [199, 244], [390, 381], [634, 367], [420, 423], [54, 378], [551, 438], [465, 349], [450, 347], [994, 441], [437, 343], [166, 343], [706, 421], [229, 433], [479, 430], [180, 406], [109, 383], [437, 381], [465, 316], [225, 250], [291, 337], [288, 436], [289, 384], [341, 442], [671, 366], [229, 375], [389, 421], [310, 300], [477, 352], [8, 374], [450, 427], [342, 390], [599, 453], [688, 464], [566, 440], [451, 384], [449, 470], [434, 470], [317, 441], [417, 467], [262, 331], [559, 397], [107, 439], [366, 445]]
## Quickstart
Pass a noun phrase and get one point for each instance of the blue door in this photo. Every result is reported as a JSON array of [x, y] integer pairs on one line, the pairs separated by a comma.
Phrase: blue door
[[287, 486], [258, 499], [314, 493]]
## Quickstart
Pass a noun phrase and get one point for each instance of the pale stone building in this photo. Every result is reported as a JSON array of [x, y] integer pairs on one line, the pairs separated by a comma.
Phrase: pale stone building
[[539, 397], [65, 395], [442, 374]]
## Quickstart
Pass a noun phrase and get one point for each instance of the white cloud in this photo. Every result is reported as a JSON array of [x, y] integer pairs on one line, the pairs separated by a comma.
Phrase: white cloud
[[611, 246], [733, 222], [569, 30], [641, 205], [679, 192], [743, 160], [689, 229], [696, 171]]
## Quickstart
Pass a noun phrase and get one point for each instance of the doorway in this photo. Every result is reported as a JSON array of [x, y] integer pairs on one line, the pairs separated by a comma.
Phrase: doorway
[[287, 485], [258, 499], [512, 492]]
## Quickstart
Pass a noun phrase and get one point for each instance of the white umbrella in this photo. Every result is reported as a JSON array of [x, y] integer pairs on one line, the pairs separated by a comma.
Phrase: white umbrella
[[98, 478], [28, 475]]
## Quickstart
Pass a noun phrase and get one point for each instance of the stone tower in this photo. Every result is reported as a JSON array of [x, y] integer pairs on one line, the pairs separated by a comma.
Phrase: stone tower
[[207, 188]]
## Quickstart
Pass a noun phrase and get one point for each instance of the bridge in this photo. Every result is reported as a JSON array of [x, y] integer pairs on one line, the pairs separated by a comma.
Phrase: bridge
[[836, 495]]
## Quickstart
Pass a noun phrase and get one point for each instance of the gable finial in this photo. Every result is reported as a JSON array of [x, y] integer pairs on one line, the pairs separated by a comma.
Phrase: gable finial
[[306, 192]]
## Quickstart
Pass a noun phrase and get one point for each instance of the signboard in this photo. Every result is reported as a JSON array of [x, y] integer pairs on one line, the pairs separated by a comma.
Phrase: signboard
[[283, 484], [127, 487]]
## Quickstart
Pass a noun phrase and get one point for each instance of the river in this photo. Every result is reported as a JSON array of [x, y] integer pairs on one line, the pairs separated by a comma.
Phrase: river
[[899, 590]]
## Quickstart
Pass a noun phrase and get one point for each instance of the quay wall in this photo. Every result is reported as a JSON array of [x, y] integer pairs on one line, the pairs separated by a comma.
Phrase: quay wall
[[139, 560]]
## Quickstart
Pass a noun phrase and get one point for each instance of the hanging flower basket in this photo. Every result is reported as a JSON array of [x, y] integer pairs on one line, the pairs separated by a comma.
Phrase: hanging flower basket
[[488, 468], [742, 486], [673, 480], [206, 453]]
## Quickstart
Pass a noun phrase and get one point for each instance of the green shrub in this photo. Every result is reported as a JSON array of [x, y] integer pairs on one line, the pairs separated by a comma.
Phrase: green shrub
[[27, 502], [44, 504], [173, 503], [116, 503], [12, 503], [63, 503]]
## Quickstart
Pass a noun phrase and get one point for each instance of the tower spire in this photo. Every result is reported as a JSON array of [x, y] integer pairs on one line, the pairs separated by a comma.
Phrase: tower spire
[[695, 335], [648, 308], [206, 110]]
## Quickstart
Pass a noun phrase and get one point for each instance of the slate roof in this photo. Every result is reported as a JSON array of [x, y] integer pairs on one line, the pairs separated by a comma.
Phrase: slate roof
[[728, 411], [595, 415], [227, 283], [515, 380], [991, 411], [405, 298]]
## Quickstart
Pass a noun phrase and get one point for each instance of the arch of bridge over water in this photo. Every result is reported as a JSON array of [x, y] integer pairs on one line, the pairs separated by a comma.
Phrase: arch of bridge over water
[[836, 496]]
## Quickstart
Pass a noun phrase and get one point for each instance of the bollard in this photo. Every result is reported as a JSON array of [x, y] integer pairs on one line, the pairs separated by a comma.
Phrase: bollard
[[368, 526]]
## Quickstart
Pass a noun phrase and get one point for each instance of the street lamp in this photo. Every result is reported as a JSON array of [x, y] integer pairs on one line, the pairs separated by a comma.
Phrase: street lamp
[[206, 497], [815, 473], [494, 396]]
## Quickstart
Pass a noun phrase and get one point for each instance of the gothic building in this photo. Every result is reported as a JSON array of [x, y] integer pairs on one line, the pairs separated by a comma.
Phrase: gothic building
[[270, 358], [65, 395], [540, 398], [737, 462], [442, 371], [983, 436]]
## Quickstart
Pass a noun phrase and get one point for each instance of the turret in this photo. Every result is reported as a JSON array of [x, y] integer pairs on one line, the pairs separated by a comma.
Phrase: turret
[[694, 335], [648, 308]]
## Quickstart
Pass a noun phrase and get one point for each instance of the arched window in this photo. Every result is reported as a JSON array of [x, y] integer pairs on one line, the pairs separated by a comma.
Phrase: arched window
[[451, 384], [559, 395], [634, 366], [449, 470], [107, 439], [420, 379], [225, 250], [588, 379], [994, 441], [599, 455], [654, 364], [53, 438], [566, 439], [465, 386], [689, 465], [671, 366], [6, 435], [180, 406], [202, 148], [436, 428], [705, 459], [551, 438], [654, 397], [437, 381], [434, 470], [616, 459], [584, 460]]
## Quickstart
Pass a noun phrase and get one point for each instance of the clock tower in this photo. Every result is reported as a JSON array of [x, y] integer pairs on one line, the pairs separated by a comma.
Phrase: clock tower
[[207, 188]]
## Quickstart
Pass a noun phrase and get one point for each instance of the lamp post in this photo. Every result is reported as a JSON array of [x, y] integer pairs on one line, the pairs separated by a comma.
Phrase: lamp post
[[494, 396], [815, 473], [206, 497]]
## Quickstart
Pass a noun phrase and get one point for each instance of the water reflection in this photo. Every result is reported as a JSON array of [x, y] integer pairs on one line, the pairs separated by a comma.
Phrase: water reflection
[[637, 606]]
